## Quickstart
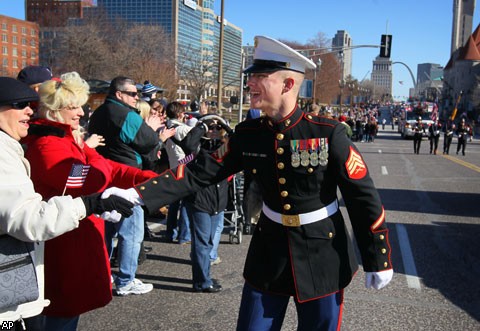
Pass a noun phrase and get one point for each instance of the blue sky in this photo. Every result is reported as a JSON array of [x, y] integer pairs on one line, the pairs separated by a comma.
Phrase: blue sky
[[421, 29]]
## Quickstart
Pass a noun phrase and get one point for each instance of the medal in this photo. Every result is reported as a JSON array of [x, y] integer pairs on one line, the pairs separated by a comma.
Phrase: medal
[[304, 155], [295, 158], [314, 153], [323, 158], [323, 155], [305, 162]]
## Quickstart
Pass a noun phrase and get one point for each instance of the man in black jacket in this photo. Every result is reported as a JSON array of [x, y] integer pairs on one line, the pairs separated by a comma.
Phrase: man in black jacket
[[434, 136], [300, 246], [127, 138]]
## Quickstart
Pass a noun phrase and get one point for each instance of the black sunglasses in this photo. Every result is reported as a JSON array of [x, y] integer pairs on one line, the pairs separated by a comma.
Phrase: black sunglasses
[[132, 94], [20, 105], [215, 127]]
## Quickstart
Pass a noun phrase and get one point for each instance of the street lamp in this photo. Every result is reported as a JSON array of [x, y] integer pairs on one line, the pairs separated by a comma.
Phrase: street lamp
[[341, 84], [319, 63]]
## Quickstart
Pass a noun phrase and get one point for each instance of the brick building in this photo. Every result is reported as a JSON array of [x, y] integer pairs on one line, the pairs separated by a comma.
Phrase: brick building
[[19, 45]]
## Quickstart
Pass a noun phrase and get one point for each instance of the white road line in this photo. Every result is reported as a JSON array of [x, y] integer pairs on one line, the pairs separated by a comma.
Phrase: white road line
[[413, 280], [384, 170]]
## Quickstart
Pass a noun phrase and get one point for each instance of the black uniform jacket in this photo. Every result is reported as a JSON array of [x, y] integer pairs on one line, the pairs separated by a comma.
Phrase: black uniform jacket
[[308, 261]]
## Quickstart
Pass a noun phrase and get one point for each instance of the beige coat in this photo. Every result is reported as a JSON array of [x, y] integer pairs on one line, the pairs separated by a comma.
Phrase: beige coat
[[25, 216]]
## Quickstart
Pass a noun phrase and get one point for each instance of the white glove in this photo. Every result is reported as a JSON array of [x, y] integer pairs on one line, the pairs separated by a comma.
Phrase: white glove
[[378, 280], [129, 194], [112, 216]]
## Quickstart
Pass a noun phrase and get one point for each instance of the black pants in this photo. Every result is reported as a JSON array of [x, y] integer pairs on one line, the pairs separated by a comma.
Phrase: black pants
[[447, 141], [417, 141], [434, 144], [462, 143]]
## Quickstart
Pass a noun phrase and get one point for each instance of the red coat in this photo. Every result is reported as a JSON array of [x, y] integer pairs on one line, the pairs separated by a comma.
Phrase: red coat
[[77, 268]]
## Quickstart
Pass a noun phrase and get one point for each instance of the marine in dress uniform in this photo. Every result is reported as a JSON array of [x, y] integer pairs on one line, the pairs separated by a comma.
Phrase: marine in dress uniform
[[434, 135], [418, 130], [448, 136], [462, 134], [300, 247]]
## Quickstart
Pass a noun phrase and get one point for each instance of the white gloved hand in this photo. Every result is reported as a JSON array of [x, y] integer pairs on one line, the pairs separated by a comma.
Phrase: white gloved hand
[[129, 194], [379, 279], [112, 216]]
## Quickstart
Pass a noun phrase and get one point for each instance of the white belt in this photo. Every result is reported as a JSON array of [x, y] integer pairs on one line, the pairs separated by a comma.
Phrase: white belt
[[301, 219]]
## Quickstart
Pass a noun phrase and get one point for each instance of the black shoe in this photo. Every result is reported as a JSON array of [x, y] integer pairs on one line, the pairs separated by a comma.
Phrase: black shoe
[[214, 288]]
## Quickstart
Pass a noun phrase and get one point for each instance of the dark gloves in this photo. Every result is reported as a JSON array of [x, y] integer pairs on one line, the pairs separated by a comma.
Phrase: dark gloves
[[227, 129], [94, 204], [191, 143]]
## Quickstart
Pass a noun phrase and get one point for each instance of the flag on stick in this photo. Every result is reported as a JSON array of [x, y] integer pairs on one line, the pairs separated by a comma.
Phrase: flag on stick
[[454, 113], [77, 176]]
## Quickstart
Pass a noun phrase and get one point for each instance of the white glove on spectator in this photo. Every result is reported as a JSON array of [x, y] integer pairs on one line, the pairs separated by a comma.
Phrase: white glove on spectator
[[112, 216], [129, 195], [378, 280]]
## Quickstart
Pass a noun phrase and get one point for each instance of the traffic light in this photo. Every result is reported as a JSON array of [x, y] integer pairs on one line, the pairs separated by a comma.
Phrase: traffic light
[[386, 45]]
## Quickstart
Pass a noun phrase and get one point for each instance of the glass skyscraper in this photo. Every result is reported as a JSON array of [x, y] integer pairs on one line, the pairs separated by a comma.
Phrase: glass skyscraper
[[193, 26]]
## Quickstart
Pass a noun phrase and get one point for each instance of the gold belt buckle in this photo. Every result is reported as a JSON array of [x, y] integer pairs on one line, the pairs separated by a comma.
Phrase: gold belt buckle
[[291, 220]]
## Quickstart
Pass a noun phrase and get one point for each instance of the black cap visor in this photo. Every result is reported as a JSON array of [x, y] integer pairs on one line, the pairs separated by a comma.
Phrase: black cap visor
[[267, 66]]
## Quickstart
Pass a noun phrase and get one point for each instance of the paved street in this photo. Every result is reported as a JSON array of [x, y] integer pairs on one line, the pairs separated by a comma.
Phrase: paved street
[[432, 210]]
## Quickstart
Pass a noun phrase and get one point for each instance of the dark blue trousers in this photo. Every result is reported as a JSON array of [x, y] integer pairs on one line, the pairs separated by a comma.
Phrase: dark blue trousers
[[261, 311]]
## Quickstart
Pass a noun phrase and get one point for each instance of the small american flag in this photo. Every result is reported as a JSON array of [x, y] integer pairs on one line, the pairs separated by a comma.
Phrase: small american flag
[[77, 175]]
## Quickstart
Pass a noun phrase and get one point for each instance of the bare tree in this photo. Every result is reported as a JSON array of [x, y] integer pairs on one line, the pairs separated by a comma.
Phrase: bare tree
[[101, 48], [195, 71]]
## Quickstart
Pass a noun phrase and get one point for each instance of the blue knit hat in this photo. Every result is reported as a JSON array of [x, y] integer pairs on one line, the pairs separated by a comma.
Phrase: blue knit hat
[[149, 88]]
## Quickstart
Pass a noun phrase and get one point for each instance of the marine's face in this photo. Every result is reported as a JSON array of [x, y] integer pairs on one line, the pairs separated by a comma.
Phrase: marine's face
[[266, 92], [14, 119]]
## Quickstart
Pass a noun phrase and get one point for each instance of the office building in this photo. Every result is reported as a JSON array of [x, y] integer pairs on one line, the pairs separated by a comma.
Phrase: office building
[[382, 78], [195, 27], [192, 23], [462, 22], [340, 41], [19, 45], [429, 81]]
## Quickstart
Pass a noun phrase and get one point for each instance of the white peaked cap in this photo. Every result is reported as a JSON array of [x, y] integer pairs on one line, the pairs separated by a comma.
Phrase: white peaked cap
[[271, 55]]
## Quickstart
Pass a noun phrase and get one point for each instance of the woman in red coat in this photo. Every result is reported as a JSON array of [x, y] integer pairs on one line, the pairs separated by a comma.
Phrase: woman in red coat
[[77, 269]]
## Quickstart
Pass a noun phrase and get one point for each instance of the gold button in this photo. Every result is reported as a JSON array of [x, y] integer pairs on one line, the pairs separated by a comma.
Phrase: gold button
[[287, 122], [309, 116], [287, 207], [154, 182], [254, 171], [382, 237], [330, 235], [167, 176], [280, 136], [280, 150], [384, 251], [385, 264], [280, 165], [310, 170], [282, 180], [142, 188], [284, 194]]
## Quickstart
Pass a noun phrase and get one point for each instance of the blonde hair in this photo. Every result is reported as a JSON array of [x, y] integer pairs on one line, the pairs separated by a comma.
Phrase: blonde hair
[[70, 91], [143, 108]]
